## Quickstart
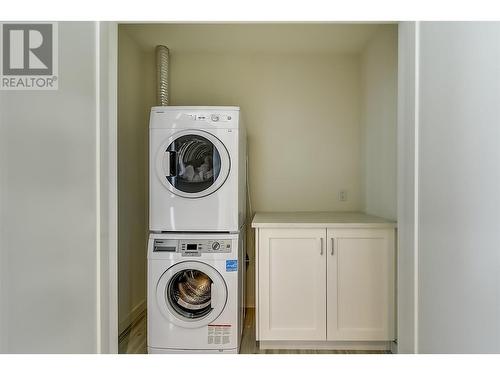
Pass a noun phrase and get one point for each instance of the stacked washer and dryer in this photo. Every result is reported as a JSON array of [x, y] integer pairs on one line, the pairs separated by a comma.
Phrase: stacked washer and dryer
[[197, 211]]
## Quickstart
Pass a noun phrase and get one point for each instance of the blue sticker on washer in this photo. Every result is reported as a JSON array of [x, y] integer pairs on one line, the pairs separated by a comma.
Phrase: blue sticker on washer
[[231, 265]]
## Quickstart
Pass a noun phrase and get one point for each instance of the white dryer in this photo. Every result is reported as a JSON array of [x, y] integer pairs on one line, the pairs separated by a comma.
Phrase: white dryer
[[197, 169], [195, 293]]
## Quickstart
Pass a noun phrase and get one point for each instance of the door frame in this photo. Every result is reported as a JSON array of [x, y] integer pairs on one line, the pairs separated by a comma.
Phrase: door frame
[[407, 187], [107, 188]]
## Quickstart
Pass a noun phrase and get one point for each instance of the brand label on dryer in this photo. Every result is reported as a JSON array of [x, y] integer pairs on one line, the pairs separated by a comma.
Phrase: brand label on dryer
[[231, 265], [219, 334]]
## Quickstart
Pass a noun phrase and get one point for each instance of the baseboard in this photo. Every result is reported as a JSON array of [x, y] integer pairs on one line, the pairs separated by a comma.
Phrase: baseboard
[[394, 347], [131, 317], [326, 345]]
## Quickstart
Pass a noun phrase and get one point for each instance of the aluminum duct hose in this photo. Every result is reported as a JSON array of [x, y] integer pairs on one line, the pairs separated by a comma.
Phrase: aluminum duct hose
[[162, 61]]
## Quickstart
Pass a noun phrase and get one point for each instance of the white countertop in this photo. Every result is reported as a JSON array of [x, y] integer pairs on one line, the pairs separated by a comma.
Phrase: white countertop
[[317, 219]]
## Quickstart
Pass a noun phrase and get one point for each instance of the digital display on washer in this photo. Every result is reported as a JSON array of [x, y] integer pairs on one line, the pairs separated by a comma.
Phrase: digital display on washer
[[192, 246]]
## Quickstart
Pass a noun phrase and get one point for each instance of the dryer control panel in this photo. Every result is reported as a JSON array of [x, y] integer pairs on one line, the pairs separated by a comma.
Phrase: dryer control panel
[[213, 117], [193, 247]]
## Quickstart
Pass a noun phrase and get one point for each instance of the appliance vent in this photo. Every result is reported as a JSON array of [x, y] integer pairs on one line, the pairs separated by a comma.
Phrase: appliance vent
[[162, 62]]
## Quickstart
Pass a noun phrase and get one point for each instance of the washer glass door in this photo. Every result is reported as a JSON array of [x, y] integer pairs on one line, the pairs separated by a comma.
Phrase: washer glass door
[[193, 164], [192, 294], [189, 293]]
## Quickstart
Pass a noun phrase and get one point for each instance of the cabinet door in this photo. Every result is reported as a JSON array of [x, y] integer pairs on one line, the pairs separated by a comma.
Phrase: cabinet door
[[361, 286], [292, 284]]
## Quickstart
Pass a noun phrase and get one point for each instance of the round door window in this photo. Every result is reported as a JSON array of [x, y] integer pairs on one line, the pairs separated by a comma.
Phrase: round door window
[[189, 292], [192, 164]]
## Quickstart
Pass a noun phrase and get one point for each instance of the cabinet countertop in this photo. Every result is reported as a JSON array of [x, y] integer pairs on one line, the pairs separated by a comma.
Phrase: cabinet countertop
[[316, 219]]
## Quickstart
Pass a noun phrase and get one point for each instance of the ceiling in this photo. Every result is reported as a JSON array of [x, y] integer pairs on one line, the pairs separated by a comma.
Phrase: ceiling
[[254, 37]]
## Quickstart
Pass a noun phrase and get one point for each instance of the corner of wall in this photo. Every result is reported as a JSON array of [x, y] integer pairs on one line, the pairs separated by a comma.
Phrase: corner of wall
[[379, 122], [135, 97]]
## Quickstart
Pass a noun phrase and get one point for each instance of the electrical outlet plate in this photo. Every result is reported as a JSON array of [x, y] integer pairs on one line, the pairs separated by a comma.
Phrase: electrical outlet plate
[[342, 195]]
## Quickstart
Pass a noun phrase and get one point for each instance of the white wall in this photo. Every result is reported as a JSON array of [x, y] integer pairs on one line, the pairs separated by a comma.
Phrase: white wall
[[379, 119], [302, 118], [50, 209], [136, 91], [459, 184]]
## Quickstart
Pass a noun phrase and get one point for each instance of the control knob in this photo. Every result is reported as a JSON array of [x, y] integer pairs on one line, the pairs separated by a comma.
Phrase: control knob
[[216, 246], [214, 118]]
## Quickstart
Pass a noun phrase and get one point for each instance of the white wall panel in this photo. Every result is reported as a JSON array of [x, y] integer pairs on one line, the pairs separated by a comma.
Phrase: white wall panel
[[459, 200], [50, 208]]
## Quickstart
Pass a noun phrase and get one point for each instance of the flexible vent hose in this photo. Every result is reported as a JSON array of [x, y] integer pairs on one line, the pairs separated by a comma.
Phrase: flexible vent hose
[[162, 61]]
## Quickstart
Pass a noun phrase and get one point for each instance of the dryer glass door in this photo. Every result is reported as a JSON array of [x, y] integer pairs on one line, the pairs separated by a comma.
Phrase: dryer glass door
[[193, 164]]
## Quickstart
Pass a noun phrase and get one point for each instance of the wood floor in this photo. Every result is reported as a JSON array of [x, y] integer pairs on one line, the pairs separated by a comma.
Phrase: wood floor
[[134, 341], [249, 344]]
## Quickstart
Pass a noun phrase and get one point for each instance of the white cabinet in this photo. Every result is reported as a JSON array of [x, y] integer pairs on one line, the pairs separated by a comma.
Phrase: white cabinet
[[292, 277], [325, 282], [360, 284]]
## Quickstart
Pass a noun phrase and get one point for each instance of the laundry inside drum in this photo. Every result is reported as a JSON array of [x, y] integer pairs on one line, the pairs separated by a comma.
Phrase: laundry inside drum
[[198, 163], [189, 293]]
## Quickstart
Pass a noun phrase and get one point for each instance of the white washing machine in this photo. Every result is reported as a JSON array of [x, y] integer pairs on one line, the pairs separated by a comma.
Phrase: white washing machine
[[197, 169], [195, 292]]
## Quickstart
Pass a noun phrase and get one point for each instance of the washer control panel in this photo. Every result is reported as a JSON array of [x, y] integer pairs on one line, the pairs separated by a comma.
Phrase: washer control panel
[[193, 248], [197, 247]]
